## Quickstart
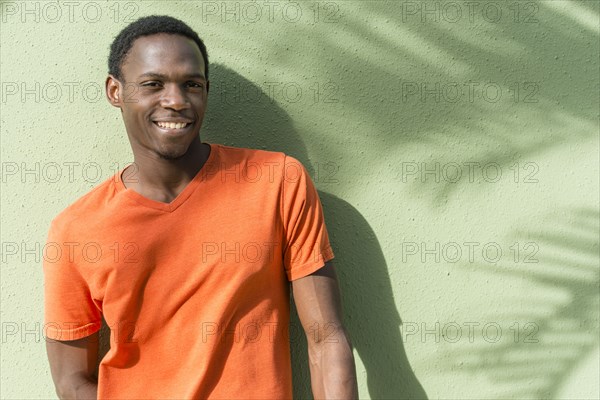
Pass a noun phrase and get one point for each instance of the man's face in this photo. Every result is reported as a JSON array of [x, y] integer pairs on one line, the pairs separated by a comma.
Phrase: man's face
[[164, 96]]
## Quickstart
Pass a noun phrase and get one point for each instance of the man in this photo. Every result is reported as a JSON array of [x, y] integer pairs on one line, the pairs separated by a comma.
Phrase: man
[[189, 252]]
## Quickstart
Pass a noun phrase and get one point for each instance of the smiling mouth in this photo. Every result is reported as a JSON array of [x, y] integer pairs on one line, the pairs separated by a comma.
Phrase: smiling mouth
[[172, 125]]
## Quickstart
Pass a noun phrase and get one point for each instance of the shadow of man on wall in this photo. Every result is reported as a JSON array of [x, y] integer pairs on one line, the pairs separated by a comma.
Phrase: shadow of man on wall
[[241, 114]]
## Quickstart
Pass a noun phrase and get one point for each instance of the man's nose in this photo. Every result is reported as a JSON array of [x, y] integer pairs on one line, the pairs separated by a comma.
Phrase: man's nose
[[174, 97]]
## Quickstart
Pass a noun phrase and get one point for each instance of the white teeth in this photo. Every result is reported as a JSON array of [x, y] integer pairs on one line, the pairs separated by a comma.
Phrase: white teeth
[[172, 125]]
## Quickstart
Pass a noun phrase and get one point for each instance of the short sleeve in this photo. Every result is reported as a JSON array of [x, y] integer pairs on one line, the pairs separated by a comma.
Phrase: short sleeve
[[306, 241], [70, 313]]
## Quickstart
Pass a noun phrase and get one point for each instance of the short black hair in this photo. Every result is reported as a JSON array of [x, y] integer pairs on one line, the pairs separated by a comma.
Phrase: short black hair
[[146, 26]]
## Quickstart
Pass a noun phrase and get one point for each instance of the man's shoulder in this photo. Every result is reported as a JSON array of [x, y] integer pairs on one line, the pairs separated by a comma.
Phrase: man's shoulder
[[85, 206], [241, 153], [276, 160]]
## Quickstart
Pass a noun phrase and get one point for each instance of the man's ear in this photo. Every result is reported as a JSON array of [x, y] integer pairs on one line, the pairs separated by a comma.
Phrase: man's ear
[[113, 91]]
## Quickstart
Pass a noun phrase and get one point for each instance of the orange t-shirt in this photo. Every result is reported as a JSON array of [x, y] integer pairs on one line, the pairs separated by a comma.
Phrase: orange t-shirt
[[196, 291]]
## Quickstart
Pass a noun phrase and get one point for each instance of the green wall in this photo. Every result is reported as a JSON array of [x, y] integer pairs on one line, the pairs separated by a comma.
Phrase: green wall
[[454, 145]]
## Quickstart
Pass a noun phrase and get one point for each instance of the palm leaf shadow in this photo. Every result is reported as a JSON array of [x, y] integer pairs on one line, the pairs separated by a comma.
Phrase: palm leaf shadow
[[565, 280]]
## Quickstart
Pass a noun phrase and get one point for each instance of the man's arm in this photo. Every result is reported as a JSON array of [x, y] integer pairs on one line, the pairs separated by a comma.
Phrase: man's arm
[[73, 367], [332, 370]]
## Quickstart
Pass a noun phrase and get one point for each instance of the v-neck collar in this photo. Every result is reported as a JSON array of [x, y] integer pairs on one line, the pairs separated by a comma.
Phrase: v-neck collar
[[181, 197]]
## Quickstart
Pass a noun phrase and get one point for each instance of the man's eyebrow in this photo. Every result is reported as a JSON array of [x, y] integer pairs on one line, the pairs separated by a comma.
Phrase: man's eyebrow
[[164, 77]]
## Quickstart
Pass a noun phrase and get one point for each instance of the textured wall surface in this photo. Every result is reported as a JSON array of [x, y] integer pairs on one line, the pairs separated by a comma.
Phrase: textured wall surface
[[454, 144]]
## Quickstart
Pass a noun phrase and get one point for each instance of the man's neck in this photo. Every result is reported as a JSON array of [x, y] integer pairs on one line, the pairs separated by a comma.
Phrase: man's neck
[[162, 180]]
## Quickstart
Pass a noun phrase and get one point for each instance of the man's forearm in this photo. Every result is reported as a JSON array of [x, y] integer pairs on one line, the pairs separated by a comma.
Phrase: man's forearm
[[332, 369]]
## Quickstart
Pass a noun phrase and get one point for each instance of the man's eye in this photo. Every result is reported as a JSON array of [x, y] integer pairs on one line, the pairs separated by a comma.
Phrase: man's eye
[[150, 84], [195, 84]]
